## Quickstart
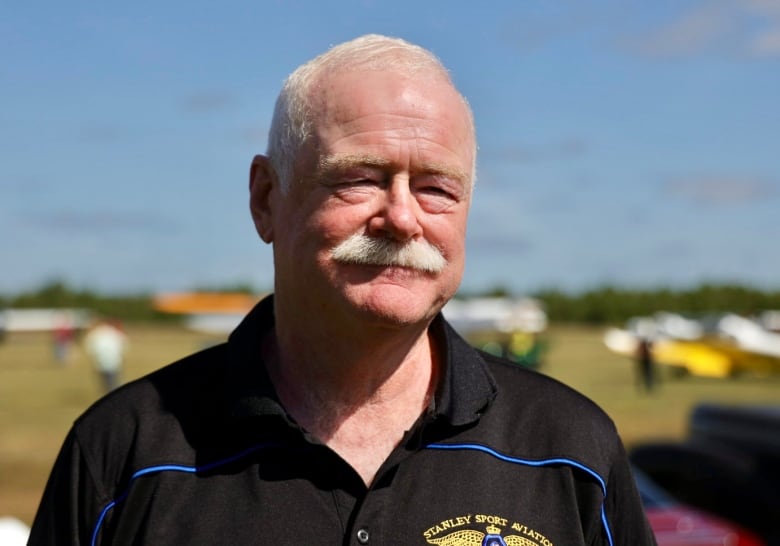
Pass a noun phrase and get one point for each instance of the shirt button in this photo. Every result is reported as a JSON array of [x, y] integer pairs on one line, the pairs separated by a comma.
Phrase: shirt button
[[362, 536]]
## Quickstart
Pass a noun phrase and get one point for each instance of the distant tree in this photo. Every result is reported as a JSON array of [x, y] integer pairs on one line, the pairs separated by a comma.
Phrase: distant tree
[[600, 305], [611, 305], [239, 288], [498, 292], [56, 294]]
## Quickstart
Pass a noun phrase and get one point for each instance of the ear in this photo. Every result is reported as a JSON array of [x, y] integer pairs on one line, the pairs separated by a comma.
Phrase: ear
[[262, 179]]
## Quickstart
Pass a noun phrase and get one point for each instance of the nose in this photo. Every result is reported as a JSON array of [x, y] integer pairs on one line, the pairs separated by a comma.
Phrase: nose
[[397, 217]]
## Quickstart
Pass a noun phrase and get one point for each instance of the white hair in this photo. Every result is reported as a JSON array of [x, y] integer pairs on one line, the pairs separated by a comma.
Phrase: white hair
[[366, 250], [292, 121]]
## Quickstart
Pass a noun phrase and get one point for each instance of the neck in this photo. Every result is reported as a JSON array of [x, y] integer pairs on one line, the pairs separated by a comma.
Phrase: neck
[[358, 394]]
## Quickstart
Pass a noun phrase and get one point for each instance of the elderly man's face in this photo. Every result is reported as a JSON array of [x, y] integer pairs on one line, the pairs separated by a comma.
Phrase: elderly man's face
[[392, 161]]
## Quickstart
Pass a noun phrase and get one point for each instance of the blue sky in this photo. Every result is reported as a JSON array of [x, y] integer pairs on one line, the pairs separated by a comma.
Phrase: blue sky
[[626, 142]]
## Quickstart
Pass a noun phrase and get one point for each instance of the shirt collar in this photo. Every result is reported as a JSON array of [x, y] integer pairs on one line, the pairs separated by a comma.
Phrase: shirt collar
[[249, 391], [465, 391]]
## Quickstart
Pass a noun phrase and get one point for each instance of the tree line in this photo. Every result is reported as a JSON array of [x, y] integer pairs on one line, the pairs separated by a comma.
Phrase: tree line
[[611, 305], [58, 295], [598, 306]]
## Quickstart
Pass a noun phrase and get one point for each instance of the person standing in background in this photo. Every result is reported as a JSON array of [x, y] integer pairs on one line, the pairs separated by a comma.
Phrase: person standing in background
[[106, 344], [645, 366]]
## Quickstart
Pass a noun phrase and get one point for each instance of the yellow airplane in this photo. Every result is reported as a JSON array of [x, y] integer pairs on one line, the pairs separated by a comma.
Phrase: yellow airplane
[[732, 346]]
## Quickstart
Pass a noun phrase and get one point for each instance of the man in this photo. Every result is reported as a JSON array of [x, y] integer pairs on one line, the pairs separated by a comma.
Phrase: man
[[344, 410], [106, 344]]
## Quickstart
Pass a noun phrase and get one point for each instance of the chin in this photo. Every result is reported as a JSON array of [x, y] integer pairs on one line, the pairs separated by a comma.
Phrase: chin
[[397, 307], [394, 296]]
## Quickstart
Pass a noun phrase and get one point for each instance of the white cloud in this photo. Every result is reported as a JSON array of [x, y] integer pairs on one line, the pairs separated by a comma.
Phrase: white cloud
[[741, 27], [208, 102], [766, 44], [721, 190], [550, 151], [689, 34]]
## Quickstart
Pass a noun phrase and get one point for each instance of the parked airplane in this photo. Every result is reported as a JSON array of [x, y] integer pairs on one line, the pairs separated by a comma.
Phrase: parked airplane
[[723, 346], [43, 320], [502, 325], [208, 312], [508, 327]]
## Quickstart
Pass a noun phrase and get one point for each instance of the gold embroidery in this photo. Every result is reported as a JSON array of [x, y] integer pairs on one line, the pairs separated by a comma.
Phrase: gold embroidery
[[441, 534]]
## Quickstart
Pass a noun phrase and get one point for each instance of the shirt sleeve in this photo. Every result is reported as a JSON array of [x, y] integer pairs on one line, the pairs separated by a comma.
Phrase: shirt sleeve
[[623, 506], [71, 502]]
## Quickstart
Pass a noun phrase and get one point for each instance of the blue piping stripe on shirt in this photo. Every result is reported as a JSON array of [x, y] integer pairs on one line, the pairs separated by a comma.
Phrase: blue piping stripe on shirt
[[474, 447], [541, 462], [169, 468]]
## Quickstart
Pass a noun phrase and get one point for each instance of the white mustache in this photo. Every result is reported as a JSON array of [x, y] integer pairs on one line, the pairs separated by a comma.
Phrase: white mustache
[[364, 250]]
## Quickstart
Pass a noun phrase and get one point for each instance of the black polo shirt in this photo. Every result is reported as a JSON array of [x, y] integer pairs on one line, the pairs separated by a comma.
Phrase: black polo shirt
[[201, 452]]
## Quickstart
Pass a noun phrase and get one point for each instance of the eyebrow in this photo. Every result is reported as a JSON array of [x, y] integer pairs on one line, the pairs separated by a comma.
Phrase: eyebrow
[[331, 163]]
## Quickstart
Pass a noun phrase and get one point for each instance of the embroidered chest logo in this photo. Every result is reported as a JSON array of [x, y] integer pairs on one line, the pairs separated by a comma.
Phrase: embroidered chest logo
[[467, 531]]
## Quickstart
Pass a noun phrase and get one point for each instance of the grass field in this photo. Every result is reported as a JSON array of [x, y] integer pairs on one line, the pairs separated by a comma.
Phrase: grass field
[[40, 398]]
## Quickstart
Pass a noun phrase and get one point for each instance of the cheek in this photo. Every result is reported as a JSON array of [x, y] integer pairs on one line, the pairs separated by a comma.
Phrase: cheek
[[334, 224], [299, 241], [449, 234]]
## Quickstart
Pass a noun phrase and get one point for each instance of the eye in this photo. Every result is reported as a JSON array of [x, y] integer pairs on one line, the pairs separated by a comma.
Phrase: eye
[[355, 189], [437, 193], [361, 182], [435, 199], [358, 177], [437, 190]]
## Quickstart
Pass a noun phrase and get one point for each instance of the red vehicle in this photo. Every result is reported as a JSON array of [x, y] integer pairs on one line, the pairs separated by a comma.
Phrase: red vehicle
[[676, 524]]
